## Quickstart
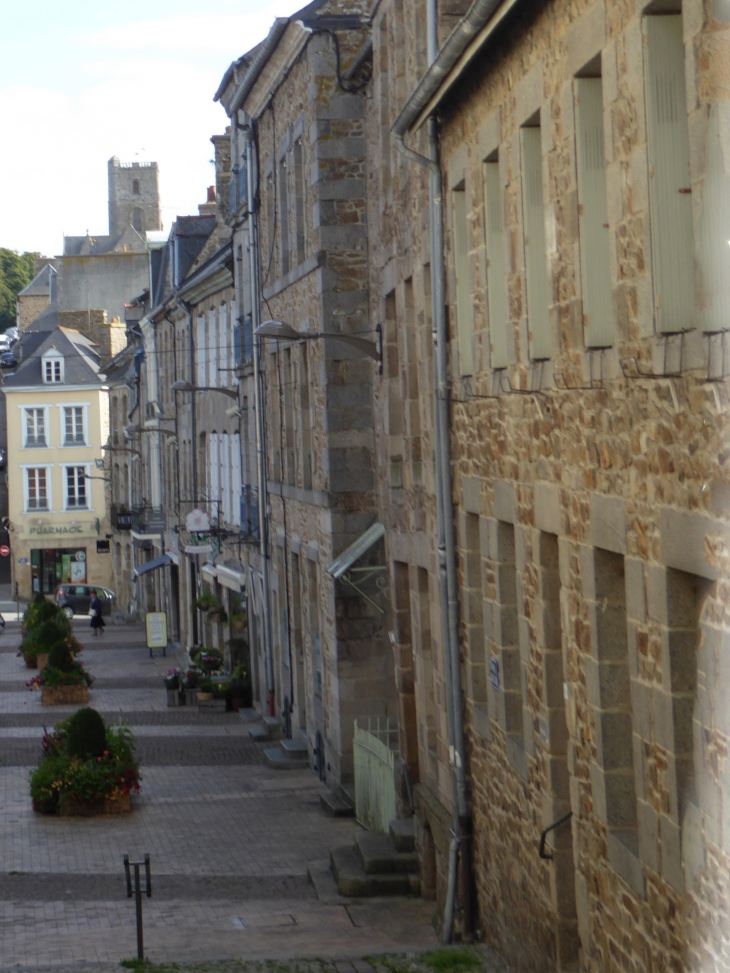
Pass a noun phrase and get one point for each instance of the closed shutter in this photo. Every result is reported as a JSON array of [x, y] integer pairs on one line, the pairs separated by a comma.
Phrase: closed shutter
[[226, 477], [200, 351], [214, 475], [538, 318], [223, 345], [669, 181], [593, 218], [464, 308], [212, 350], [715, 230], [236, 485], [496, 265]]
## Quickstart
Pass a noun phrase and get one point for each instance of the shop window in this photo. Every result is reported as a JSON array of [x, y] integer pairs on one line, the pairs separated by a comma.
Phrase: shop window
[[76, 488], [35, 427], [73, 417], [36, 488]]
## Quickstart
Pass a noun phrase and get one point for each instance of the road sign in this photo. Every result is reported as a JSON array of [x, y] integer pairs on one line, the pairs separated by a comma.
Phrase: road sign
[[4, 550], [22, 560]]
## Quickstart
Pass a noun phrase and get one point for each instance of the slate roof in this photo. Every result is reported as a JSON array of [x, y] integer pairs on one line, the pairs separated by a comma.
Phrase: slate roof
[[81, 361], [83, 246], [42, 285]]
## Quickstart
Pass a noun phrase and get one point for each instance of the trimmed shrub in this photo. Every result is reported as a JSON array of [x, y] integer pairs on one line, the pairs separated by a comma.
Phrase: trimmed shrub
[[59, 657], [86, 734]]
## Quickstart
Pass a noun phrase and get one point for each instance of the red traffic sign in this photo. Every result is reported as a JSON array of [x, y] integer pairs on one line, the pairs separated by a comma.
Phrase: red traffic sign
[[4, 550]]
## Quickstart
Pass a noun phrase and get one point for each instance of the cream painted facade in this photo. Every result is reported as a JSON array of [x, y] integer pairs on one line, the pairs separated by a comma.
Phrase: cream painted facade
[[46, 541]]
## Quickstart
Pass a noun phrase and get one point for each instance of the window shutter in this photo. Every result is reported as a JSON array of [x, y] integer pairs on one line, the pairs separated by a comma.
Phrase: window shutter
[[538, 318], [201, 351], [715, 231], [464, 308], [669, 181], [593, 219], [212, 350], [237, 486], [496, 265], [214, 475]]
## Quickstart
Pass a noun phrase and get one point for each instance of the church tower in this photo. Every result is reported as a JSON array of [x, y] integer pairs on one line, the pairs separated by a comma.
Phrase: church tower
[[134, 196]]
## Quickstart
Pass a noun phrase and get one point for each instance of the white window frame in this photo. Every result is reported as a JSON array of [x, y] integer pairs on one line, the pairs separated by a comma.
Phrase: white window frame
[[24, 409], [64, 468], [52, 356], [26, 467], [84, 406]]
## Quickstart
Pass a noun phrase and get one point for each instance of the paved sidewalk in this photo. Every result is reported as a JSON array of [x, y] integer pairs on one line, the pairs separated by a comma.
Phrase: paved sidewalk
[[230, 839]]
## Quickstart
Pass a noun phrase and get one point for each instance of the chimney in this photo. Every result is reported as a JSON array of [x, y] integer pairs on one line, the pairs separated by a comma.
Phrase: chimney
[[208, 208]]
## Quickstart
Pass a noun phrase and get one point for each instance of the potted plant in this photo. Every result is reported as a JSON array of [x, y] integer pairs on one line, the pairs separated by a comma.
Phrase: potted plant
[[175, 693], [86, 769], [64, 680], [190, 682], [238, 695], [43, 625]]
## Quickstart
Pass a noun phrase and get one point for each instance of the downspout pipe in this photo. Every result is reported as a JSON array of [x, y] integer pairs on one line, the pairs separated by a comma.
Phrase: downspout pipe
[[253, 252], [462, 829]]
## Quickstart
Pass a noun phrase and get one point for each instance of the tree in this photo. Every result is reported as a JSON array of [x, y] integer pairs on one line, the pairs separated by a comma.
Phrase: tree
[[17, 270]]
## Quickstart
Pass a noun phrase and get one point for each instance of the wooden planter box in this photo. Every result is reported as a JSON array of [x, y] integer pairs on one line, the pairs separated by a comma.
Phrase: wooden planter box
[[175, 697], [41, 660], [71, 808], [64, 695], [191, 697]]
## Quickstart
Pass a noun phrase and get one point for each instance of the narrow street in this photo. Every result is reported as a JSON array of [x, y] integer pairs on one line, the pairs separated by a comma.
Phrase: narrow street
[[230, 839]]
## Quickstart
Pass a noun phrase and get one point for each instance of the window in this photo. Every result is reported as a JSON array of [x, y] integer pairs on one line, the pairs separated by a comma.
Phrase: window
[[669, 179], [314, 631], [535, 249], [52, 370], [464, 307], [36, 488], [496, 269], [593, 214], [300, 204], [35, 427], [74, 426], [135, 187], [284, 216], [76, 487]]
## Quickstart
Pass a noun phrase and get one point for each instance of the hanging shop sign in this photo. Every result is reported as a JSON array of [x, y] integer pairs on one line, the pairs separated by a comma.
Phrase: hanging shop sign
[[198, 548], [197, 521]]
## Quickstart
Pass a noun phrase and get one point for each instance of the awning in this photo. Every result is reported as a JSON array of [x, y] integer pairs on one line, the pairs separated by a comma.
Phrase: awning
[[231, 577], [156, 562], [356, 550], [209, 571]]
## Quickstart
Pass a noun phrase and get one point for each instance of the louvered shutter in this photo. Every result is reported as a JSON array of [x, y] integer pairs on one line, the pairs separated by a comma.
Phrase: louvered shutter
[[214, 475], [715, 230], [593, 219], [538, 318], [669, 181], [464, 308], [496, 265], [200, 351]]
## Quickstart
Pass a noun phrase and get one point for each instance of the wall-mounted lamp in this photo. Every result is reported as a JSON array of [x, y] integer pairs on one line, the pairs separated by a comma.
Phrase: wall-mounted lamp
[[282, 331]]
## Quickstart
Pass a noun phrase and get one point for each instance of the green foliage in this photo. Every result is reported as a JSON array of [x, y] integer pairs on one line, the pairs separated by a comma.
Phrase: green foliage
[[454, 959], [59, 654], [113, 772], [86, 734], [16, 272], [76, 676], [209, 660]]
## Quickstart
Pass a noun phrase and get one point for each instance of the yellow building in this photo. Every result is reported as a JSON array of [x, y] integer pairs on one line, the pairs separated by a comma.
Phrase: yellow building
[[58, 418]]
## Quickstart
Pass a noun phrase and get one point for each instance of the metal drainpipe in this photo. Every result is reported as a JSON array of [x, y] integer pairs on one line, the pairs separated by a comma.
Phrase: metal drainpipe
[[461, 840], [258, 405]]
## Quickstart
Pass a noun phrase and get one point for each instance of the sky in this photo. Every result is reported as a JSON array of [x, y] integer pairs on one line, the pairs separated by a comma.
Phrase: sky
[[82, 81]]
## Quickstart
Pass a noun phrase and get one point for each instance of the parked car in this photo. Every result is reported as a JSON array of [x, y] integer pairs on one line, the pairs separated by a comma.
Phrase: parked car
[[8, 360], [76, 598], [3, 458]]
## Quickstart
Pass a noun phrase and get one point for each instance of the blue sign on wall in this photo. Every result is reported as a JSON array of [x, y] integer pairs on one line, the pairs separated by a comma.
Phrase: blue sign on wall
[[494, 672]]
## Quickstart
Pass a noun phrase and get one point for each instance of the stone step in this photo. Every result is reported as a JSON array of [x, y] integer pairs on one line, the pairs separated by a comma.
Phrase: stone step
[[273, 725], [295, 747], [352, 880], [249, 714], [259, 733], [378, 854], [280, 760], [335, 806], [403, 834]]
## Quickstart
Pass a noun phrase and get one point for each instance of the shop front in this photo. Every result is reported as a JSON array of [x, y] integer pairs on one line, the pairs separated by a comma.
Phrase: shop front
[[50, 567]]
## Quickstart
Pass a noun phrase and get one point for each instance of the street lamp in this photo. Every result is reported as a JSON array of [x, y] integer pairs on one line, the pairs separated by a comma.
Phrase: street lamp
[[181, 385], [121, 449], [132, 429], [282, 331]]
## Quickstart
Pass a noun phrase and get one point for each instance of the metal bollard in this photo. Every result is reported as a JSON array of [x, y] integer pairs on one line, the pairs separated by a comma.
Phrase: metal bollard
[[138, 894]]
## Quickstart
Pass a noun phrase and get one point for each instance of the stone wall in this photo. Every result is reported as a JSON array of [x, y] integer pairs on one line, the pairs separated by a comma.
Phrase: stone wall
[[109, 336], [591, 492], [29, 307]]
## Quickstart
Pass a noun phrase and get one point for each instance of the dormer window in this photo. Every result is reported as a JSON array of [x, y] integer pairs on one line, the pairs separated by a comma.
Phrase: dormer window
[[52, 368]]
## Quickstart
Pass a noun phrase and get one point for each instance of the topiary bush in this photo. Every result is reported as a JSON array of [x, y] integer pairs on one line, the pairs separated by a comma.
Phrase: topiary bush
[[59, 657], [86, 734], [50, 633]]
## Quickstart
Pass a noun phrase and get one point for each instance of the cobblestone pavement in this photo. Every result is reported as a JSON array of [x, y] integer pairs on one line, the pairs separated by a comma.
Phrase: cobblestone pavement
[[230, 839]]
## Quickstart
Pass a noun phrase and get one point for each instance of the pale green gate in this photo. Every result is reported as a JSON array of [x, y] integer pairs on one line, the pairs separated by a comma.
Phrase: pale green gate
[[375, 752]]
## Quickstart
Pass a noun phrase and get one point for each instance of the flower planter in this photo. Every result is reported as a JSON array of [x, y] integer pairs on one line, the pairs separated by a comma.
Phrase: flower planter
[[64, 695], [191, 697], [41, 660], [204, 697], [173, 697], [69, 807], [218, 705]]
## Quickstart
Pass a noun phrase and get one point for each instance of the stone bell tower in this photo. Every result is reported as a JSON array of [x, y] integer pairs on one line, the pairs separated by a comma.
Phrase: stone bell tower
[[134, 196]]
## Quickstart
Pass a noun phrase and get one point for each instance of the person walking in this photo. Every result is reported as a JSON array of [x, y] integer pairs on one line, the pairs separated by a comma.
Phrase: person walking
[[97, 619]]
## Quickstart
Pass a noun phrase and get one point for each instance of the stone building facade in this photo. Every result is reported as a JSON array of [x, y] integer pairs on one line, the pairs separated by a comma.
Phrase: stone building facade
[[581, 157], [329, 644]]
